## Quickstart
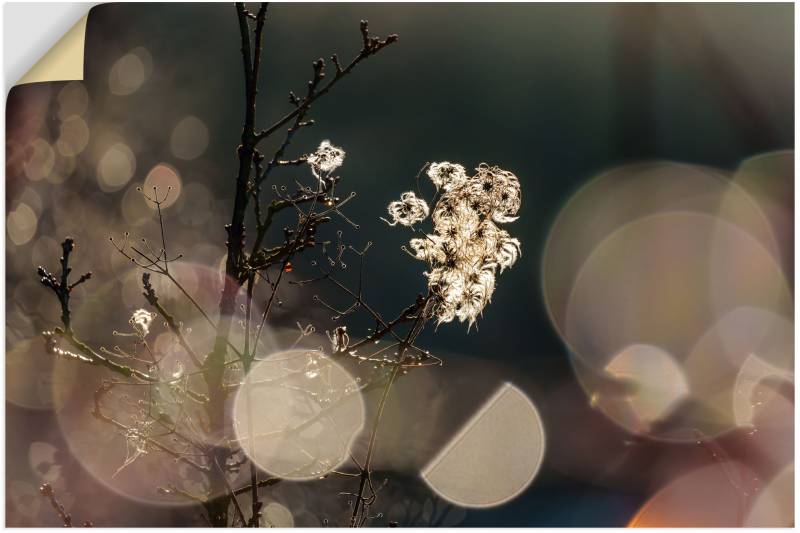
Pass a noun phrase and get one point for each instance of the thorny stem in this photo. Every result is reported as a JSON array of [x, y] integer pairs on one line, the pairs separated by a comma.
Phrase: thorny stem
[[261, 483]]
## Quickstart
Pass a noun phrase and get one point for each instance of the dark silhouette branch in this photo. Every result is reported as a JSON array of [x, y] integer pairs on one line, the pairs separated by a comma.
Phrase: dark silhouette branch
[[174, 327], [369, 47], [61, 287], [313, 206]]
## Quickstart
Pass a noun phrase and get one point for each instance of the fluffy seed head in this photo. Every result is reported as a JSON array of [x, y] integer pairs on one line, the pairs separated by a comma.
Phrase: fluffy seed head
[[141, 320], [466, 246], [326, 158], [408, 210], [447, 175]]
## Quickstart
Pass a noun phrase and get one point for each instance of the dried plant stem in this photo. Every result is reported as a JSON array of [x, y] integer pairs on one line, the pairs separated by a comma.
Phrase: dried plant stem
[[361, 503], [371, 45], [47, 491], [214, 364], [366, 470], [246, 362], [241, 269], [174, 327]]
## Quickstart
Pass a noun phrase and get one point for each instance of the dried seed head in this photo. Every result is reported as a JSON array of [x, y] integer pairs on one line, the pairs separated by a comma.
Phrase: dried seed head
[[466, 246]]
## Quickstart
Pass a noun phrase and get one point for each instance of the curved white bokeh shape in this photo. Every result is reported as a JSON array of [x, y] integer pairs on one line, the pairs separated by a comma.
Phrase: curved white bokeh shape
[[494, 457], [734, 361], [42, 460], [639, 386], [130, 71], [304, 409], [747, 391]]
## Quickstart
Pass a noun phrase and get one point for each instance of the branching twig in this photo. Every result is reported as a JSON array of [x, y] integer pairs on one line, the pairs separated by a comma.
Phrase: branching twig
[[152, 299], [62, 288], [97, 412], [370, 46], [313, 206]]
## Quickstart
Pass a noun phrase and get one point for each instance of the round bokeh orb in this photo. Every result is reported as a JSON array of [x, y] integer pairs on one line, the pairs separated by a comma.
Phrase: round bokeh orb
[[774, 505], [714, 495], [769, 179], [119, 449], [297, 413], [189, 138], [163, 183], [629, 193], [665, 281]]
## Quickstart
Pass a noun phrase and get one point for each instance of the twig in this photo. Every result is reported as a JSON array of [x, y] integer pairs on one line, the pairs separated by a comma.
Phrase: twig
[[62, 288], [370, 46], [152, 299], [366, 471], [47, 491]]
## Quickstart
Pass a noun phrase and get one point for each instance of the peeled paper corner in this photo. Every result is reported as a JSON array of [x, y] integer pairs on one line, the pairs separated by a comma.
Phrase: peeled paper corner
[[64, 60]]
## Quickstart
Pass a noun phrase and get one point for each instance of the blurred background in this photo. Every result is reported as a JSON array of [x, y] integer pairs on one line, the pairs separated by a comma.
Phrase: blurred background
[[649, 319]]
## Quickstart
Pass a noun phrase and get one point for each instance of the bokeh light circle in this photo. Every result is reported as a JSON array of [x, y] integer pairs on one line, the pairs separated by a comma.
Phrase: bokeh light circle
[[640, 385], [102, 448], [774, 506], [663, 281], [304, 410], [73, 99], [130, 72], [40, 159], [21, 224], [732, 360], [116, 167], [626, 194], [166, 180], [189, 138], [29, 374], [711, 496], [276, 515], [73, 136], [769, 179]]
